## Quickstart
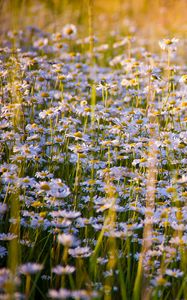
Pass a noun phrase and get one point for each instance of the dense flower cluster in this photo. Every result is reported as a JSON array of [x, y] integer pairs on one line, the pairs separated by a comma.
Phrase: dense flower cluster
[[76, 143]]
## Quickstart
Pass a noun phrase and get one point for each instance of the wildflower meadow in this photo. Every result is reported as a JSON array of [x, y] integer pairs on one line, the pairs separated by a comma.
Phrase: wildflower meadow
[[93, 150]]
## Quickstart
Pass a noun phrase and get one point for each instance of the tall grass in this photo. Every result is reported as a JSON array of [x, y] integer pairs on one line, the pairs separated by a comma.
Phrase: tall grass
[[93, 160]]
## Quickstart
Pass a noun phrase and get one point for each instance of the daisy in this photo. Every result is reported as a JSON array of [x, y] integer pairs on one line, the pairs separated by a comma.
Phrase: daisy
[[69, 31]]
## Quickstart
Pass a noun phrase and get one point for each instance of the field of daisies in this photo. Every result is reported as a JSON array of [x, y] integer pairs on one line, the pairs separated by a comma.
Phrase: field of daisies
[[93, 139]]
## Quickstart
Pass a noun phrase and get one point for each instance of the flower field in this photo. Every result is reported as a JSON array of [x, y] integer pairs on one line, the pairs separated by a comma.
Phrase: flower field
[[93, 139]]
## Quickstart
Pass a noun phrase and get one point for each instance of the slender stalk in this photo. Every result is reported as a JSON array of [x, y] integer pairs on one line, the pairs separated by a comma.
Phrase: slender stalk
[[150, 199], [90, 26]]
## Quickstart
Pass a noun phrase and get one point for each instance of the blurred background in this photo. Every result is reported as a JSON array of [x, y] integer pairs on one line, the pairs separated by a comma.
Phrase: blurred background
[[151, 19]]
